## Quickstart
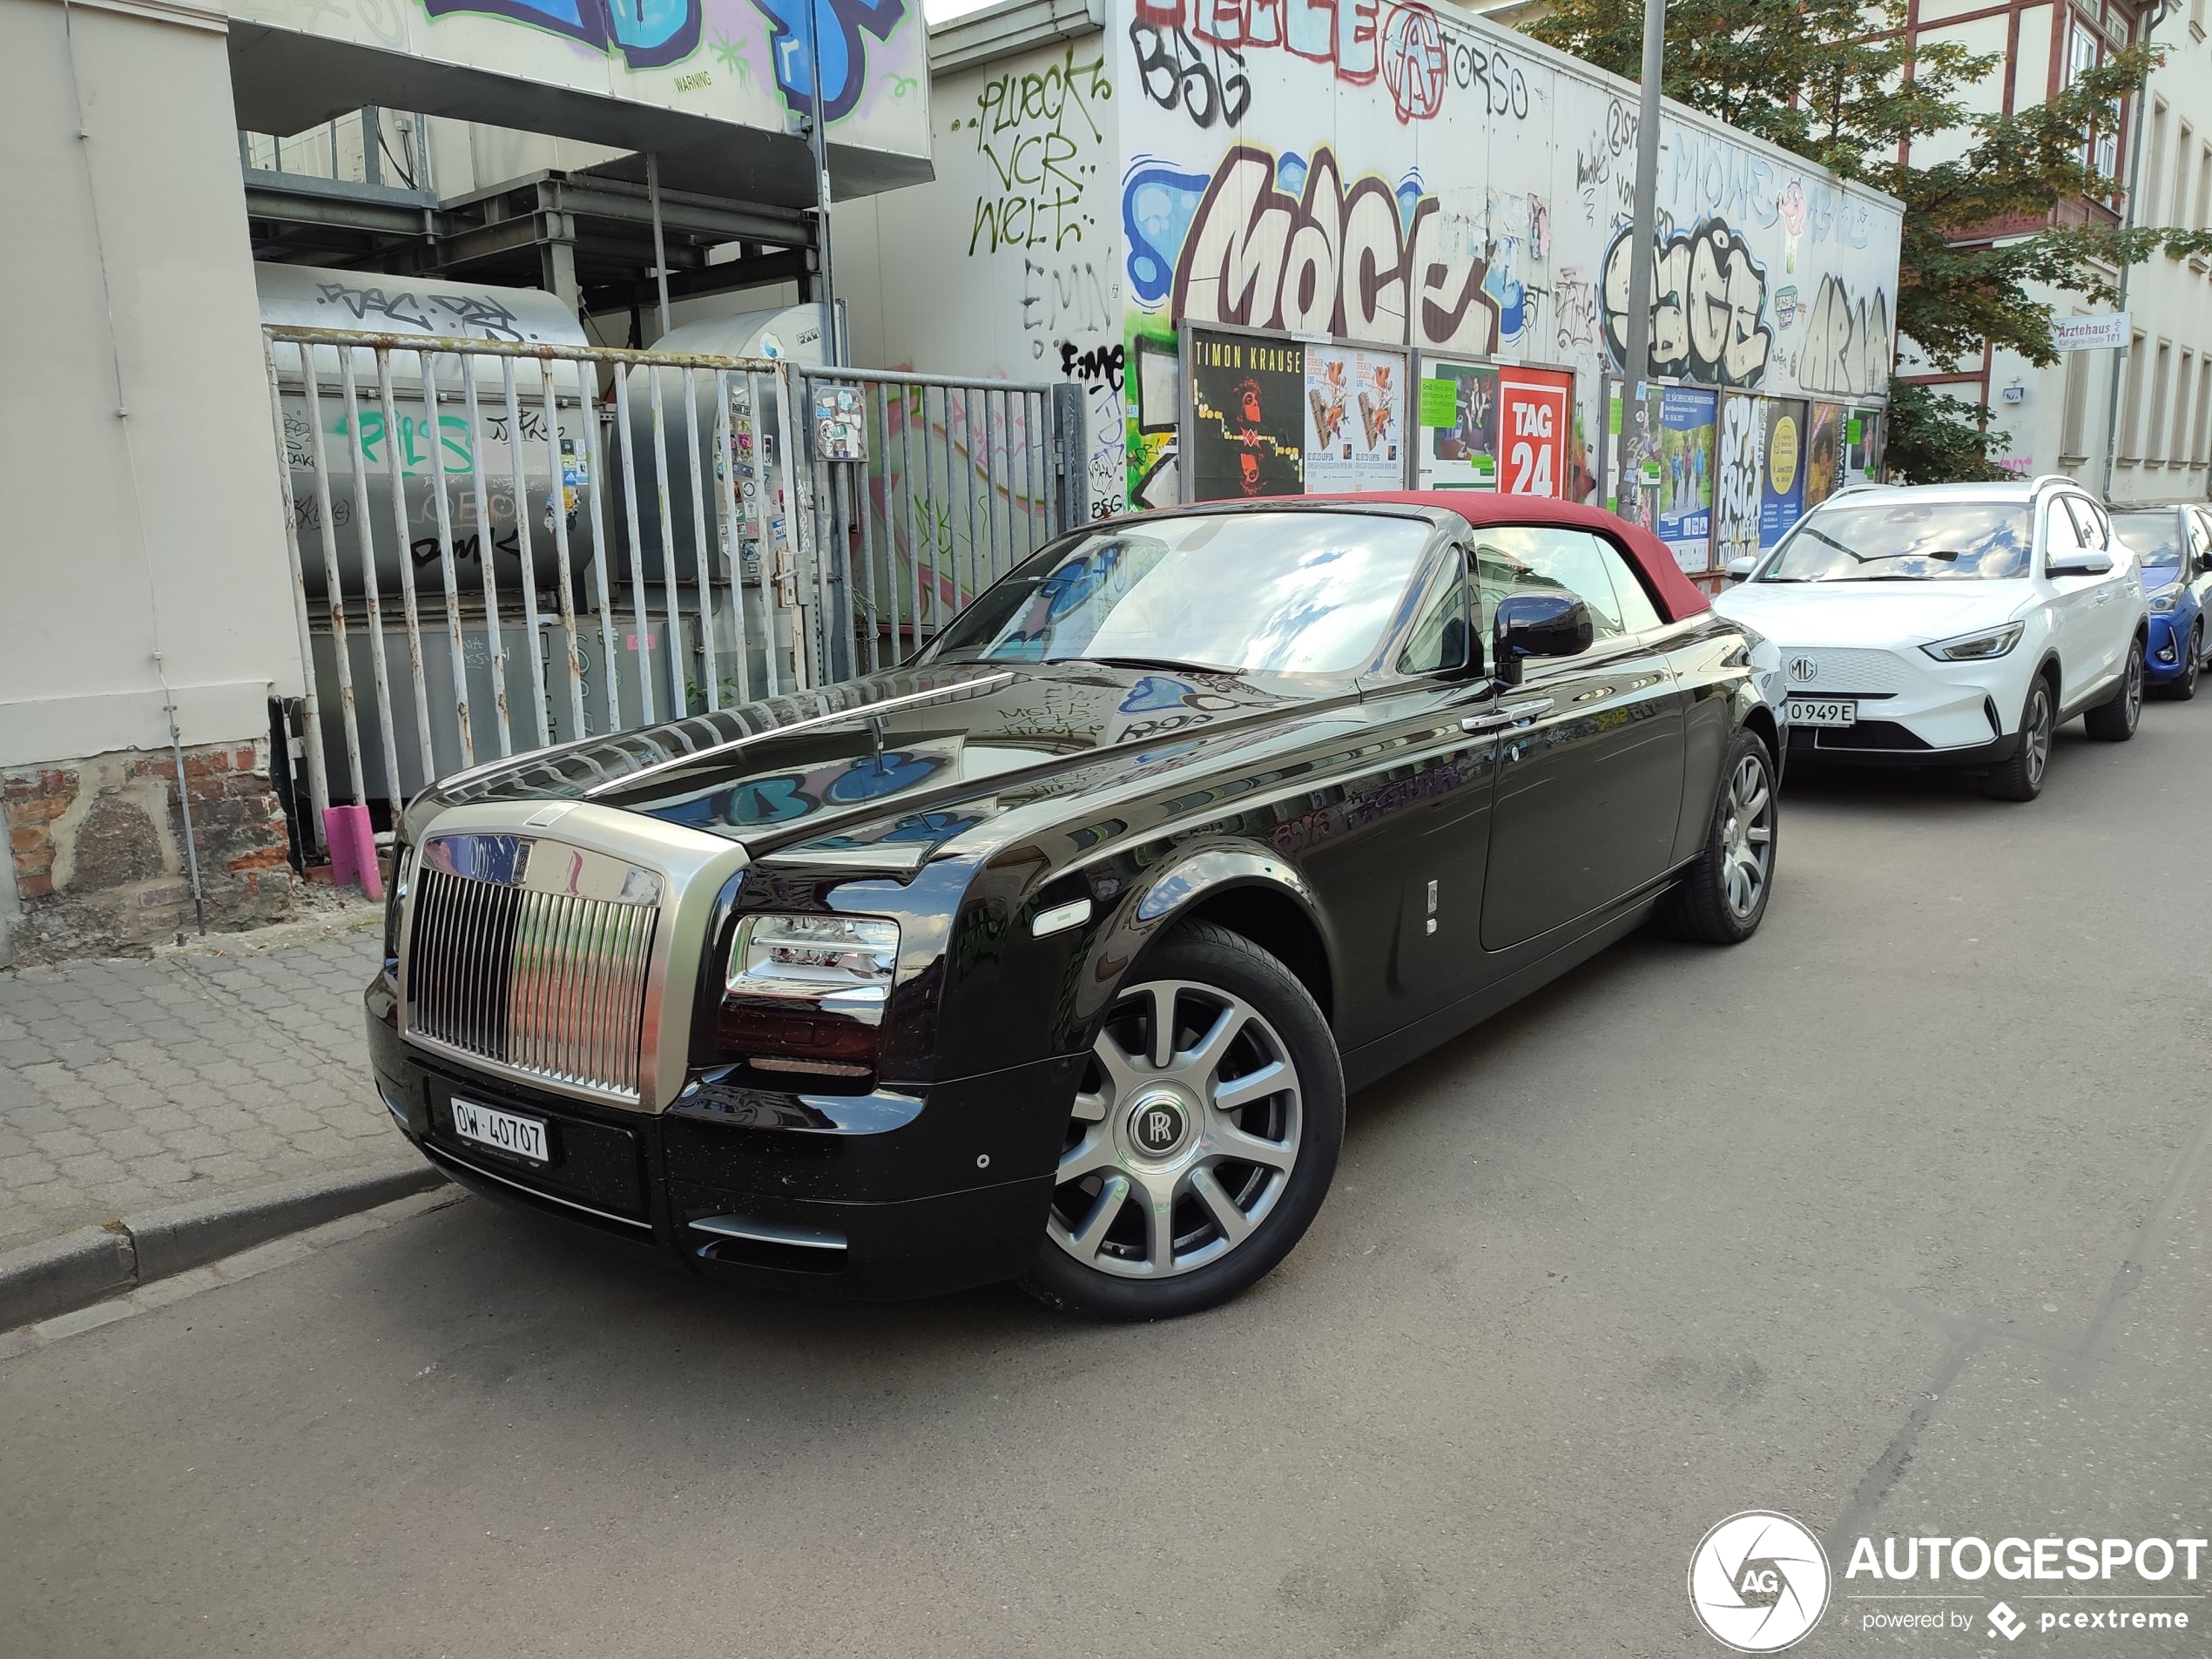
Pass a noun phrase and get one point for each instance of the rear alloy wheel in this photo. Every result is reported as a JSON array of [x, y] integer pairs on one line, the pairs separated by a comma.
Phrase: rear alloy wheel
[[1722, 897], [2113, 720], [1203, 1137], [2021, 776]]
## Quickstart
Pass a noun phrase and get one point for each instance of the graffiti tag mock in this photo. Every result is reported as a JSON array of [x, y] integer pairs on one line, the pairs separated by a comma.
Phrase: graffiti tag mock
[[649, 34]]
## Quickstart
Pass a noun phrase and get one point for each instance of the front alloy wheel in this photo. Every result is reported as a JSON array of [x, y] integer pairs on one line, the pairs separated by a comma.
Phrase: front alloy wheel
[[1202, 1138], [2020, 778]]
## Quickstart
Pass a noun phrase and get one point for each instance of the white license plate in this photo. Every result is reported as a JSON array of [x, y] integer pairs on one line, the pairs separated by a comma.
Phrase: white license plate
[[1822, 711], [502, 1131]]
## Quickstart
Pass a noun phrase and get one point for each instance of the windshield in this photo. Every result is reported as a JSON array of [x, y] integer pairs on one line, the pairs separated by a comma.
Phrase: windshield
[[1245, 593], [1906, 541], [2155, 539]]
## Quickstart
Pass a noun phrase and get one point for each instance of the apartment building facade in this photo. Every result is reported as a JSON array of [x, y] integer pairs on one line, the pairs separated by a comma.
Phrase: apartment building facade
[[2152, 440]]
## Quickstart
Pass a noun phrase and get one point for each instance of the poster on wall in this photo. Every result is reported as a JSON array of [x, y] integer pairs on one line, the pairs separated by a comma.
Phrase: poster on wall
[[1355, 419], [1458, 423], [1248, 417], [1535, 417], [1782, 489], [1824, 452], [1863, 446], [1741, 466], [1635, 476], [1685, 506]]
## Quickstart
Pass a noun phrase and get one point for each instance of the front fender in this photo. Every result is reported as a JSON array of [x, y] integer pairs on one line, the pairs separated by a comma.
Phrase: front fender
[[1169, 894]]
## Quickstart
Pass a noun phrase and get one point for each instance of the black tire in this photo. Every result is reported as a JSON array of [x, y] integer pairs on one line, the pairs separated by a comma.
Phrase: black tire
[[1706, 907], [1207, 958], [2182, 690], [2114, 719], [2021, 776]]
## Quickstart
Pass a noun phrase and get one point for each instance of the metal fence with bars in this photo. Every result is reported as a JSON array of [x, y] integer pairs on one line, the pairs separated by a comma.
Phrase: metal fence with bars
[[498, 546]]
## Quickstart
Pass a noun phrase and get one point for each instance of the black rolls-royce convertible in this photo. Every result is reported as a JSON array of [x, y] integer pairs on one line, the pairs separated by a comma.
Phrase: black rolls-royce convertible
[[1052, 954]]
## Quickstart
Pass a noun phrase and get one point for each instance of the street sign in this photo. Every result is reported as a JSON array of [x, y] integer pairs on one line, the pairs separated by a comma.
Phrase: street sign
[[2107, 333]]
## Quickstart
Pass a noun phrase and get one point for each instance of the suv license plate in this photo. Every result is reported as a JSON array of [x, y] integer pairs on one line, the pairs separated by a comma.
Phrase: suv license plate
[[1822, 711], [521, 1137]]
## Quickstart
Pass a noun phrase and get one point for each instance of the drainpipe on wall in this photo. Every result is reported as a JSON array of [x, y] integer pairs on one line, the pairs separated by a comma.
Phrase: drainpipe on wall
[[2128, 223], [1636, 358], [818, 137]]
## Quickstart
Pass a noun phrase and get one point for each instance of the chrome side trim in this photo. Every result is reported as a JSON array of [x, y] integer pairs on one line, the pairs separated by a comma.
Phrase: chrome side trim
[[764, 1232], [439, 1155]]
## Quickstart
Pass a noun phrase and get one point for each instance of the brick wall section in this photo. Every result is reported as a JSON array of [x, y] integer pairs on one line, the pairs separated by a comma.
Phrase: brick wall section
[[99, 846]]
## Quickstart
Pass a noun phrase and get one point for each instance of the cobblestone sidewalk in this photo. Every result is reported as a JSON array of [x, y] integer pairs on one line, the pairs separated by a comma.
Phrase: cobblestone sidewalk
[[125, 1084]]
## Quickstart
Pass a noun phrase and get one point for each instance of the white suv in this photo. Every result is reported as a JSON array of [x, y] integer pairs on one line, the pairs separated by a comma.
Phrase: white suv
[[1951, 624]]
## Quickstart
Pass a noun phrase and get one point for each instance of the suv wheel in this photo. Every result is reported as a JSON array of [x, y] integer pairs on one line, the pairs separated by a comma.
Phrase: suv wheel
[[2113, 720], [1202, 1140], [2021, 776]]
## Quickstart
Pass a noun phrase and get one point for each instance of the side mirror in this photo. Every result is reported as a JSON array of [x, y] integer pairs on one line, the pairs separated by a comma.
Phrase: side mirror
[[1538, 624], [1740, 569], [2082, 561], [2204, 565]]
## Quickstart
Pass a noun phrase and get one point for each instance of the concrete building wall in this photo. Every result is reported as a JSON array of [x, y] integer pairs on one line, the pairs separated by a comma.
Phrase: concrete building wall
[[139, 468]]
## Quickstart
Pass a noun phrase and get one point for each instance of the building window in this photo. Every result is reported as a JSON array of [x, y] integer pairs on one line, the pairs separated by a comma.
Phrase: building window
[[2156, 433], [2131, 403], [2204, 413], [2204, 188], [2076, 413], [2145, 211], [2085, 50], [2180, 214], [2178, 452]]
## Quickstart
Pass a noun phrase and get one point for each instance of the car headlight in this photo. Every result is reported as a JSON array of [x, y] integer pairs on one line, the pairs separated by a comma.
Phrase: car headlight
[[840, 964], [1977, 647], [2163, 603]]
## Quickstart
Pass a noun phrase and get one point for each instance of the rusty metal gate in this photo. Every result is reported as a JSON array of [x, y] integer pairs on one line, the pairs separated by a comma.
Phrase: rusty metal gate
[[498, 546]]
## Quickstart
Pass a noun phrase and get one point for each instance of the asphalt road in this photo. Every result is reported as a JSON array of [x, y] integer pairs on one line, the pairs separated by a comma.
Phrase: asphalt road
[[1895, 1219]]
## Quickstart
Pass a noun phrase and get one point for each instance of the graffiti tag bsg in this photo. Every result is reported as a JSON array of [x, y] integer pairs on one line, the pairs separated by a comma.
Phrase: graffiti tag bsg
[[1708, 305]]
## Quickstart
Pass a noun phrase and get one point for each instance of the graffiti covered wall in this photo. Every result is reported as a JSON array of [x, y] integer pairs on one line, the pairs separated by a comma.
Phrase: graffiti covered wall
[[1008, 266], [740, 61], [1406, 175]]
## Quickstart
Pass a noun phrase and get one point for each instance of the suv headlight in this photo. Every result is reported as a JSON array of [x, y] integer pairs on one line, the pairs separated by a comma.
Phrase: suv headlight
[[2162, 602], [1977, 647], [840, 964]]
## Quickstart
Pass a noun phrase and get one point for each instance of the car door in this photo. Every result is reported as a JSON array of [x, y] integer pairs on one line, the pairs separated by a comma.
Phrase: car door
[[1589, 769], [2113, 608], [2073, 601], [2196, 525], [1434, 708]]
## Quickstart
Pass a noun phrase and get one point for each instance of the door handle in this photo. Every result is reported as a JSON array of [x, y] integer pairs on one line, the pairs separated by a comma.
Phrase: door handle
[[1512, 714]]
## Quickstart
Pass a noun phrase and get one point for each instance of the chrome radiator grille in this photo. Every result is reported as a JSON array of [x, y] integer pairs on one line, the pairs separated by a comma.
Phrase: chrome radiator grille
[[504, 966]]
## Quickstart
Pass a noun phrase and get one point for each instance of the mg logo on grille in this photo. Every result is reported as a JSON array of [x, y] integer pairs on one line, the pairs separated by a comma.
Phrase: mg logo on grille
[[1803, 670]]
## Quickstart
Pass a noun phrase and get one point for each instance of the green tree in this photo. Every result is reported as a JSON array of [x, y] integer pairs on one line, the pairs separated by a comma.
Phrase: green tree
[[1811, 77]]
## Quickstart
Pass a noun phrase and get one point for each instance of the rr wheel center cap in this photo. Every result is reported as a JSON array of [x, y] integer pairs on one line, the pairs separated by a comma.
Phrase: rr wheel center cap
[[1159, 1125]]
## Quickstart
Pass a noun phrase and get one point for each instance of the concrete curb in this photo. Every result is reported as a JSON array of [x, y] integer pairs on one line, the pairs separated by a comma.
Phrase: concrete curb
[[61, 1275]]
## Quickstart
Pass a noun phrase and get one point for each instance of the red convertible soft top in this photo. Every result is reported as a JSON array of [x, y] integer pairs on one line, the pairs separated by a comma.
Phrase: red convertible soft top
[[1677, 597]]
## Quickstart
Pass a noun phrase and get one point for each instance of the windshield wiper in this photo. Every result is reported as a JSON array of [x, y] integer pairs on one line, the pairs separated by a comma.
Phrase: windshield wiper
[[1171, 663]]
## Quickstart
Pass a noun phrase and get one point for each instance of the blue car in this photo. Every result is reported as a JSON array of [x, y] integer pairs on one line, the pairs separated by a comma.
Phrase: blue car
[[2175, 546]]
